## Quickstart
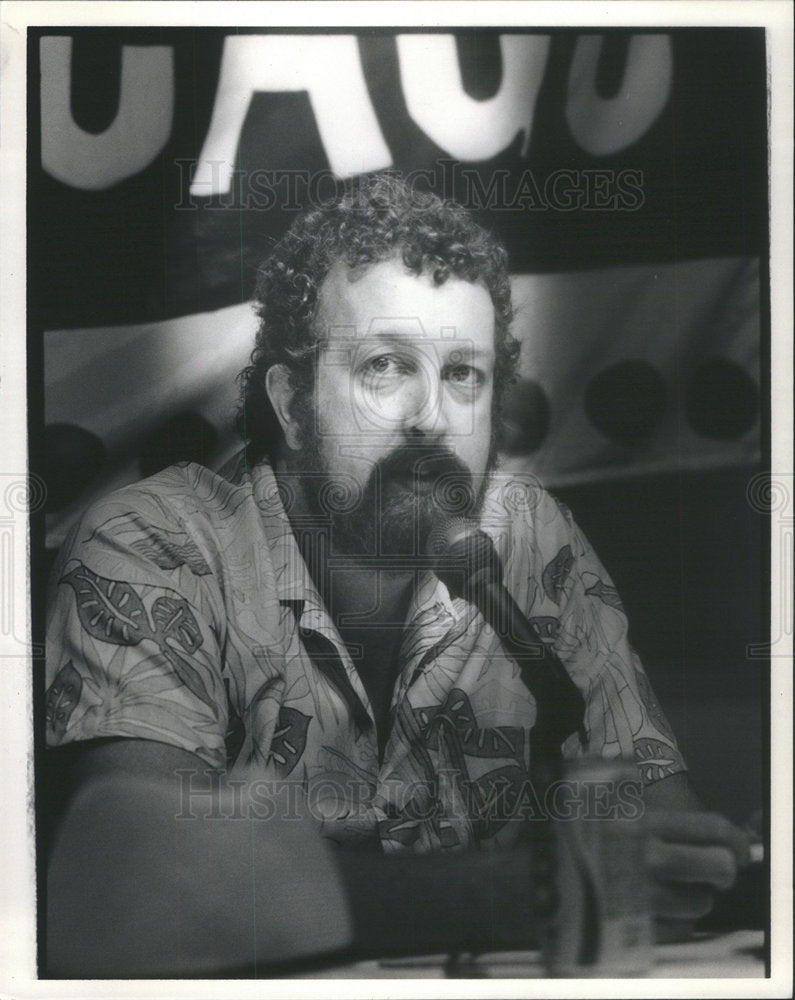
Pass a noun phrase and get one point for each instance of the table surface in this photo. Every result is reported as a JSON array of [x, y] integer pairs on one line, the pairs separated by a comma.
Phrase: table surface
[[738, 954]]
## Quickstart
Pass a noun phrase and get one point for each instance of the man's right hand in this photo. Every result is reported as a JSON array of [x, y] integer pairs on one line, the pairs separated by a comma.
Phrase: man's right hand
[[691, 856]]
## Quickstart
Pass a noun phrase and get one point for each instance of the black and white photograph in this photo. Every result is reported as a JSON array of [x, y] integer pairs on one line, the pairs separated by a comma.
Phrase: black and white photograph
[[396, 495]]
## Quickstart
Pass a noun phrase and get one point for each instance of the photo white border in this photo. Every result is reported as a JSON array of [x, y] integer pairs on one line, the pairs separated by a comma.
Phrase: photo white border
[[17, 874]]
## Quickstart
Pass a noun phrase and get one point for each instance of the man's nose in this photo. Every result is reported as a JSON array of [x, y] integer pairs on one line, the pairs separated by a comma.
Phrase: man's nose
[[424, 407]]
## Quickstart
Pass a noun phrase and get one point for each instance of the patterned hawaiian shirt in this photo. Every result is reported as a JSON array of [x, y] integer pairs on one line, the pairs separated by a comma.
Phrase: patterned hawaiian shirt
[[182, 612]]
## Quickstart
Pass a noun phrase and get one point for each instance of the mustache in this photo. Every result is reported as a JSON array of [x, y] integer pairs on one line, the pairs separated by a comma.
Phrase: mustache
[[427, 462], [433, 476]]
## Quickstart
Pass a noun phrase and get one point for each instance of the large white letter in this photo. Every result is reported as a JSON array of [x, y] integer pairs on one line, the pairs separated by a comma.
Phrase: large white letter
[[464, 127], [328, 67], [602, 127], [139, 131]]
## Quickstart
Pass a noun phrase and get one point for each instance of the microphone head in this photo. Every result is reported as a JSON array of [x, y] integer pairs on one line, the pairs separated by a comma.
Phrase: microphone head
[[449, 530], [465, 556]]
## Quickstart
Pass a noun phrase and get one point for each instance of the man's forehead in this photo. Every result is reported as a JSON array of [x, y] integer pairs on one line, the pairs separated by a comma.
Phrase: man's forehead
[[387, 302]]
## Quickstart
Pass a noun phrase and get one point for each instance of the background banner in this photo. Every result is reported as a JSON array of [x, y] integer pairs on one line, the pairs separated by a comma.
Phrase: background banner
[[625, 170]]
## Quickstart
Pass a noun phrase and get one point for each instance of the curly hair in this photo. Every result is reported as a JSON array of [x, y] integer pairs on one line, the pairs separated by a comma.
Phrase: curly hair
[[375, 219]]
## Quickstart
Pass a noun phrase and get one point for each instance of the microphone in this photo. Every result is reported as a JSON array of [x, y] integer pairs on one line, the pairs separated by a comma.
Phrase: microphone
[[467, 563]]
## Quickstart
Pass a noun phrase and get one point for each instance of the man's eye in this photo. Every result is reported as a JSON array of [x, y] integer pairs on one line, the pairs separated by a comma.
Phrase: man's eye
[[387, 364], [464, 375]]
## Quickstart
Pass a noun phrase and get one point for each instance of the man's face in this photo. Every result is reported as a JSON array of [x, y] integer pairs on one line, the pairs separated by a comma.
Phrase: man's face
[[399, 432]]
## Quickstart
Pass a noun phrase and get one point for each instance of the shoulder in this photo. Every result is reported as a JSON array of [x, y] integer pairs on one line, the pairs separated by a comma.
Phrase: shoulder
[[172, 498], [182, 516], [518, 510], [543, 552]]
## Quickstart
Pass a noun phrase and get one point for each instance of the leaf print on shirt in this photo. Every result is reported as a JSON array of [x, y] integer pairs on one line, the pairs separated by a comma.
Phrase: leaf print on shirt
[[455, 716], [655, 759], [113, 611], [62, 698], [109, 609], [174, 620], [546, 626], [495, 797], [405, 832], [171, 553], [607, 594], [556, 573], [261, 717], [166, 549], [289, 739]]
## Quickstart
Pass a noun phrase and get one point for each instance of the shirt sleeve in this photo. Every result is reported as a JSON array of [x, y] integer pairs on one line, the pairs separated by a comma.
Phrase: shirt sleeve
[[623, 717], [133, 637]]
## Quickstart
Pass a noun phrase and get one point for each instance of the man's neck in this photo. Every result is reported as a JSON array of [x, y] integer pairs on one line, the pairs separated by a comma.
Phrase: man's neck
[[365, 597]]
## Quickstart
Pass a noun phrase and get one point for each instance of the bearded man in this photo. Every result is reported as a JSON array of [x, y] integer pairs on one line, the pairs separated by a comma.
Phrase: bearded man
[[282, 627]]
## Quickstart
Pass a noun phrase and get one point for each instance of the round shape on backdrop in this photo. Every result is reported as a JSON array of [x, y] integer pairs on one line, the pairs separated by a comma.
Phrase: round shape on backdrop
[[525, 418], [626, 402], [721, 400]]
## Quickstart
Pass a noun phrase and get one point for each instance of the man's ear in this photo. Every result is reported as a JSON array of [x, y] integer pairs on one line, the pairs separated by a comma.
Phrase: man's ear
[[282, 395]]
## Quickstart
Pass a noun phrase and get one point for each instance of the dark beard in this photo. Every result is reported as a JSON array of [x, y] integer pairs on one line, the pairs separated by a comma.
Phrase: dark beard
[[406, 494]]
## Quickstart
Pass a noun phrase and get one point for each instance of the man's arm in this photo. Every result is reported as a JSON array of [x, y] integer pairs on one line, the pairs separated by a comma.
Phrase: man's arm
[[135, 891]]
